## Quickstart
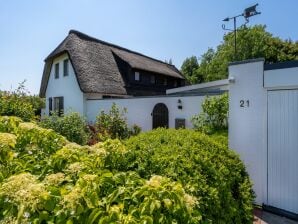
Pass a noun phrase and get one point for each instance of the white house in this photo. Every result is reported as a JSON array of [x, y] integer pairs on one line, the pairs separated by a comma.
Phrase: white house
[[87, 75]]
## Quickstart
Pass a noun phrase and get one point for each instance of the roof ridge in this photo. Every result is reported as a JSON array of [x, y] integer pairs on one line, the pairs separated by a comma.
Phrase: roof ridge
[[85, 36]]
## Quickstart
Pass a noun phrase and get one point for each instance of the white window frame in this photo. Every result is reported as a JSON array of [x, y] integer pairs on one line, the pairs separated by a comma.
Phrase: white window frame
[[137, 76]]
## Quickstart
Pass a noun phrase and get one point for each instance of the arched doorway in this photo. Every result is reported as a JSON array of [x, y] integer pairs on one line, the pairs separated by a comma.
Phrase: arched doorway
[[160, 116]]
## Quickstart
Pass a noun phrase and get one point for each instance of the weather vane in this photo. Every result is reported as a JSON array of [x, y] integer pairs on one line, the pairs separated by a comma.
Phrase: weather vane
[[248, 12]]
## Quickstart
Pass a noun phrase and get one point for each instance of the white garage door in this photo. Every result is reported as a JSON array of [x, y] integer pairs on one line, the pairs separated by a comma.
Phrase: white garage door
[[283, 149]]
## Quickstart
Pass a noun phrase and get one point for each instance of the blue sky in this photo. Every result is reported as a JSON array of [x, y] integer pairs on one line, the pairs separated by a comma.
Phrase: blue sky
[[163, 29]]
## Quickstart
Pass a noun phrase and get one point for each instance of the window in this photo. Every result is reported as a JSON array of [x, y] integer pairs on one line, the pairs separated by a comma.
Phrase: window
[[50, 105], [175, 83], [137, 76], [57, 71], [152, 79], [165, 82], [65, 67], [59, 105], [159, 80]]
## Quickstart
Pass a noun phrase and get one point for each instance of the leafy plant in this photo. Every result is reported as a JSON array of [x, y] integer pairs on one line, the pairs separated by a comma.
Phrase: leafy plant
[[114, 125], [20, 103], [205, 167], [163, 176], [214, 115], [71, 125]]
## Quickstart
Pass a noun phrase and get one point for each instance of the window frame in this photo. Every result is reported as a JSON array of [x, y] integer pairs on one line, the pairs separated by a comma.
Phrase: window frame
[[59, 102], [137, 74], [66, 67], [152, 79], [57, 67], [165, 81], [50, 105]]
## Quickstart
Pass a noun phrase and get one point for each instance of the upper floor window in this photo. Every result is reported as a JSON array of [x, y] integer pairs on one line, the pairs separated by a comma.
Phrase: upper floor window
[[165, 82], [175, 83], [65, 67], [57, 71], [152, 79], [137, 76]]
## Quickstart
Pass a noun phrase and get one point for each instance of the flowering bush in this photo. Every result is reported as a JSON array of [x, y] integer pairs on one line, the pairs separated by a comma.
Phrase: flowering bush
[[163, 176]]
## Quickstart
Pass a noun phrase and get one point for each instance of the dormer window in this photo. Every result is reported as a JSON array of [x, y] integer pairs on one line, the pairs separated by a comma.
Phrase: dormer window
[[65, 67], [137, 76], [57, 71]]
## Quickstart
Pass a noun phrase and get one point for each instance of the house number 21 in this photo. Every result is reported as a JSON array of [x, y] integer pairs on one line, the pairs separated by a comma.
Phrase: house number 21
[[244, 103]]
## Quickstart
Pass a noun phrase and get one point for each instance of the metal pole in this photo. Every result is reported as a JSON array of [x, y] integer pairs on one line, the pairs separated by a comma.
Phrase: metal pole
[[235, 39]]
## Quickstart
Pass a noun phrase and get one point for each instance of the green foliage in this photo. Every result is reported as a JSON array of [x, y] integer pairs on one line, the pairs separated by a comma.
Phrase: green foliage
[[47, 179], [71, 125], [163, 176], [205, 167], [19, 103], [114, 125], [214, 115], [189, 69], [252, 42]]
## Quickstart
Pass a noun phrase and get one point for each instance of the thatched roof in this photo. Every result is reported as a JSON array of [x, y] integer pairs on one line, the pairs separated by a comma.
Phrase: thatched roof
[[95, 65]]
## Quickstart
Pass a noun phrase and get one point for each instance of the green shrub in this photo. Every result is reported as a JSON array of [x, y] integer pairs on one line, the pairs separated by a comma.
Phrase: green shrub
[[19, 103], [205, 167], [9, 123], [48, 180], [114, 125], [221, 137], [163, 176], [71, 125], [214, 115]]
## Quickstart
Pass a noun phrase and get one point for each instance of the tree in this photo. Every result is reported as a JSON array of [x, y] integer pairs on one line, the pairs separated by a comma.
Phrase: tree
[[189, 69], [252, 42]]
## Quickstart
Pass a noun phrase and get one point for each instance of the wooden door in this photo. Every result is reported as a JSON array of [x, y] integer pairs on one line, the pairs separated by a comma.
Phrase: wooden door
[[160, 116]]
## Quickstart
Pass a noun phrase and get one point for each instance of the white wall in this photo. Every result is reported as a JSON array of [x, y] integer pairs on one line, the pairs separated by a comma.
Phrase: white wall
[[248, 124], [281, 78], [140, 109], [67, 87]]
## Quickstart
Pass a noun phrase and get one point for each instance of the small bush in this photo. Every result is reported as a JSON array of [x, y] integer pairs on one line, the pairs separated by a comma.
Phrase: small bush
[[214, 115], [19, 103], [71, 125], [114, 125]]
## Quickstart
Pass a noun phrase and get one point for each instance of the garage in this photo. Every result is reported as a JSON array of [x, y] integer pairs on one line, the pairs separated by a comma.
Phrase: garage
[[263, 129]]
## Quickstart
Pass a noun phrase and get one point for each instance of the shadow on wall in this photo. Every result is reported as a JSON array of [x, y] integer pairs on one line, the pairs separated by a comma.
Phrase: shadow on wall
[[262, 217]]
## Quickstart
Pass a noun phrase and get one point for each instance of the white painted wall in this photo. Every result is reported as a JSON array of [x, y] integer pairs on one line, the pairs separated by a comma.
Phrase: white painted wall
[[248, 124], [202, 87], [281, 78], [140, 109], [67, 87]]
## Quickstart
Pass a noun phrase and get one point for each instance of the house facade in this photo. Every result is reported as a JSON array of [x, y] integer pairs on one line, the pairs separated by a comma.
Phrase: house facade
[[83, 68], [263, 112]]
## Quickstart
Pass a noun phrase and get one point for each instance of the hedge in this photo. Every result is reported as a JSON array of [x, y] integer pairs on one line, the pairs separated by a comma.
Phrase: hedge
[[163, 176], [202, 164]]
